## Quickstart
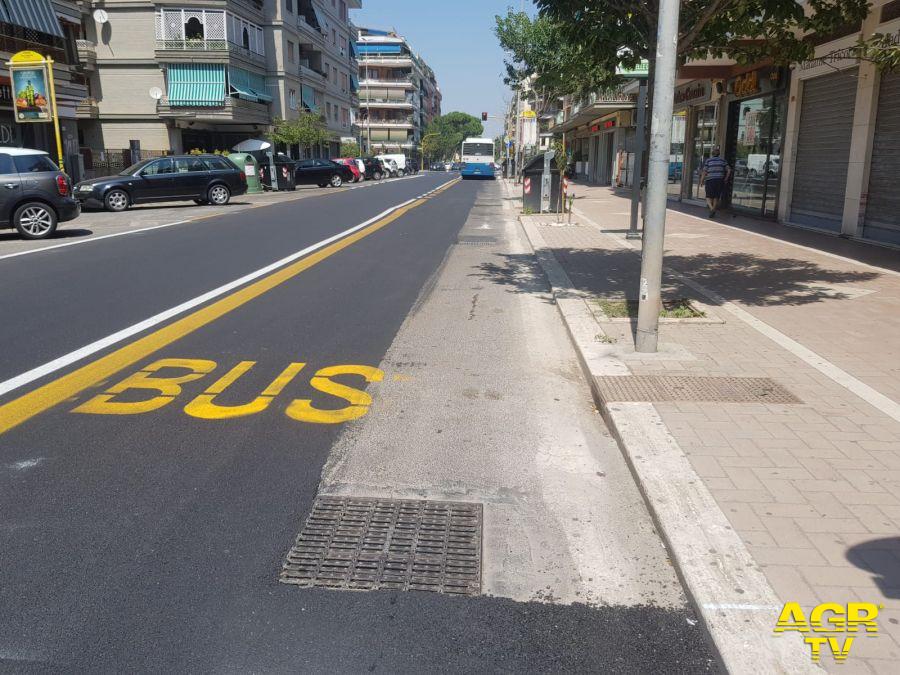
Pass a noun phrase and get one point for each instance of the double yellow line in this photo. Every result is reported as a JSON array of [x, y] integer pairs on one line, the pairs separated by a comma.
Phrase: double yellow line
[[63, 388]]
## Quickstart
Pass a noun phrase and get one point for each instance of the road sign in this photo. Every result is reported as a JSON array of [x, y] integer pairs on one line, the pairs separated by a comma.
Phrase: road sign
[[526, 186], [529, 114]]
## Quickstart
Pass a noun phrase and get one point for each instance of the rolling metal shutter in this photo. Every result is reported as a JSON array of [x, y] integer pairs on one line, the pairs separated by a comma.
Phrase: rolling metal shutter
[[823, 150], [882, 221]]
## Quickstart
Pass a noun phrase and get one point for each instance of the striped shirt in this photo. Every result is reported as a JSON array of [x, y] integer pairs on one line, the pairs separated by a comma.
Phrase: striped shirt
[[715, 168]]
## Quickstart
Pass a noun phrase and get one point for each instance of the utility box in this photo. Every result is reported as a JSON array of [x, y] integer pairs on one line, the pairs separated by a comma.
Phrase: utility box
[[250, 167], [532, 174]]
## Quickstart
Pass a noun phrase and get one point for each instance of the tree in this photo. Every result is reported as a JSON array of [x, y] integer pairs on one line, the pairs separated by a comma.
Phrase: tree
[[307, 129], [444, 134], [350, 149], [747, 31]]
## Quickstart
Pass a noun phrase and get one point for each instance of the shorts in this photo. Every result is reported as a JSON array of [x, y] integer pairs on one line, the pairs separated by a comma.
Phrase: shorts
[[714, 188]]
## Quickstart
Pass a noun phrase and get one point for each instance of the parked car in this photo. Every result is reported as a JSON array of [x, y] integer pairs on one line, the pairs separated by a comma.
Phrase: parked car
[[456, 166], [203, 179], [35, 196], [399, 160], [374, 168], [322, 172], [391, 170], [350, 163]]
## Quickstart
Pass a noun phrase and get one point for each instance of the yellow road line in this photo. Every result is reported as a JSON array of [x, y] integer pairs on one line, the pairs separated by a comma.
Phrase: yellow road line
[[53, 393]]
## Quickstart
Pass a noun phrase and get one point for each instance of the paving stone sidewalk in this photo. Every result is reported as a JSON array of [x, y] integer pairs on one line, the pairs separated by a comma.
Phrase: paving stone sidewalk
[[813, 489]]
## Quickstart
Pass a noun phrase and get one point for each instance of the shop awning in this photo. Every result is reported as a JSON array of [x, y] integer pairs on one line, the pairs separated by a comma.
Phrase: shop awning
[[354, 82], [320, 19], [196, 84], [590, 112], [35, 14], [247, 85], [308, 98]]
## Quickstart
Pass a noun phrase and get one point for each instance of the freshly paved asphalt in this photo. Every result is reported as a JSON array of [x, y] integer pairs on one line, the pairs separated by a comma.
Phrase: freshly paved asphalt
[[152, 542]]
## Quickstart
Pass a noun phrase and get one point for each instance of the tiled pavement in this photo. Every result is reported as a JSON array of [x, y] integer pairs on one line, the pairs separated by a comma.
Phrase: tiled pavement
[[813, 489]]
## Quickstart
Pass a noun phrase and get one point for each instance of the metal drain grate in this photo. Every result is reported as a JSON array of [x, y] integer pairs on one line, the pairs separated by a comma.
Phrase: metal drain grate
[[651, 388], [369, 544]]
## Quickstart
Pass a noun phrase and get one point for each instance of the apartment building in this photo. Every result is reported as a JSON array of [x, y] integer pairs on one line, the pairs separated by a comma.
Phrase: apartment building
[[178, 75], [315, 66], [51, 28], [398, 95]]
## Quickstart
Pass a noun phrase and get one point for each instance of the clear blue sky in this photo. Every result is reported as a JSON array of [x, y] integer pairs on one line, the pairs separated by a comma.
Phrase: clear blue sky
[[455, 37]]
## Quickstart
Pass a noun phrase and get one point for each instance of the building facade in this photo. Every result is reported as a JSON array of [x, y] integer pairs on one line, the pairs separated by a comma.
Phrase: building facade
[[52, 28], [815, 145], [180, 75], [398, 94]]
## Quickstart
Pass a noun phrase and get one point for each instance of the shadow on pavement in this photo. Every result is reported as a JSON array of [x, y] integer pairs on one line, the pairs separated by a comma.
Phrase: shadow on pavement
[[881, 557], [740, 277]]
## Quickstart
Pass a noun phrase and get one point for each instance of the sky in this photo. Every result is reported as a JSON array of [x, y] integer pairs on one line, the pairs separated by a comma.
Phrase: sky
[[456, 38]]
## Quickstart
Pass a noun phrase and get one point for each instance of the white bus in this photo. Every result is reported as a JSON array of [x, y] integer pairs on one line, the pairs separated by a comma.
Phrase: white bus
[[477, 156]]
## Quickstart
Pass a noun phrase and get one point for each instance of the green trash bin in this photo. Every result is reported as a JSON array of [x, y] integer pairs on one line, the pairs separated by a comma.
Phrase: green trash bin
[[250, 167]]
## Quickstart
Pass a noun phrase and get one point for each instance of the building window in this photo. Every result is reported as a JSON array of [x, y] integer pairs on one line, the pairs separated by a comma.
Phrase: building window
[[344, 82], [245, 39], [193, 29], [290, 53], [334, 37], [290, 5], [292, 99], [334, 74], [328, 109], [343, 10]]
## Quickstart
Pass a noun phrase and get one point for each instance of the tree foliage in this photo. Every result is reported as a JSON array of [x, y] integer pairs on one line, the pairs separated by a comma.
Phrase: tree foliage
[[444, 134], [307, 129], [744, 30], [350, 149]]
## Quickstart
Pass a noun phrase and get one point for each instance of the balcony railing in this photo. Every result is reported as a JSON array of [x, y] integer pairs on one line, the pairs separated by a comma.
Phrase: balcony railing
[[388, 121], [207, 30], [87, 52]]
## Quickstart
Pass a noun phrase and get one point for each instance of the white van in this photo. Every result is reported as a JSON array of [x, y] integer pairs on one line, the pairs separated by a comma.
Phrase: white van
[[399, 162]]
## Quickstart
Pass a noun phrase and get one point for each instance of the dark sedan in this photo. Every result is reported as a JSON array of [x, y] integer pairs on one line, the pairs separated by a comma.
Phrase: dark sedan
[[322, 172], [374, 169], [204, 179]]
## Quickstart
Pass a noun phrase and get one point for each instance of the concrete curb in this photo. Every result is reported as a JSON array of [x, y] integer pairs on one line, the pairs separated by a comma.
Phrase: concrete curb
[[731, 595]]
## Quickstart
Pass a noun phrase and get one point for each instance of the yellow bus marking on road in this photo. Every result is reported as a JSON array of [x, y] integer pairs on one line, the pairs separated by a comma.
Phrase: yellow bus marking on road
[[53, 393]]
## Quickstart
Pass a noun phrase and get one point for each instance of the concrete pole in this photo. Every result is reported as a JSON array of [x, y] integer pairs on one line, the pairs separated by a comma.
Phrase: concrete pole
[[638, 170], [658, 177]]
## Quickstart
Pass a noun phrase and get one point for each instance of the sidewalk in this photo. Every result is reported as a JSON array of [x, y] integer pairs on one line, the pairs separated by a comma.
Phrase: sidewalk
[[809, 482]]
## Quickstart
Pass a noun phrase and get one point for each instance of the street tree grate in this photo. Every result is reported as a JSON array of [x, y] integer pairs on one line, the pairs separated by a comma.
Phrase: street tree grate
[[654, 388], [355, 543]]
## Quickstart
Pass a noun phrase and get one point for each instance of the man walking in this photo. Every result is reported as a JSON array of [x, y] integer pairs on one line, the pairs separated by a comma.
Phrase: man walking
[[714, 175]]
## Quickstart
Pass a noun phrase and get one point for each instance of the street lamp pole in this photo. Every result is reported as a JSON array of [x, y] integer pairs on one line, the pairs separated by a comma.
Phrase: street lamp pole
[[647, 336]]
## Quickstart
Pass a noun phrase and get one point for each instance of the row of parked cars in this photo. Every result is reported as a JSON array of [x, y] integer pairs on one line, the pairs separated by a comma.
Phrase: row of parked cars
[[35, 196]]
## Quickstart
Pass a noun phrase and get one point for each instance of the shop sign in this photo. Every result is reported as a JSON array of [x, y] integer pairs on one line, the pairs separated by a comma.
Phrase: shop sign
[[693, 93], [746, 84]]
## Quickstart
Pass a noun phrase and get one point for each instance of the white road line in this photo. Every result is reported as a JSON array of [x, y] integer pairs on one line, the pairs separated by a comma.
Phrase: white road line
[[177, 222], [94, 347]]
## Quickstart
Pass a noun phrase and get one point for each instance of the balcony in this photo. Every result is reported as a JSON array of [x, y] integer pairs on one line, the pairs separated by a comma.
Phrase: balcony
[[380, 102], [395, 82], [87, 53], [87, 109], [236, 110], [388, 122], [180, 33], [396, 61]]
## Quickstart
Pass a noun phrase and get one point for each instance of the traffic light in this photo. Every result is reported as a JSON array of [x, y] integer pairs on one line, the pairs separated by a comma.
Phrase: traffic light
[[484, 117]]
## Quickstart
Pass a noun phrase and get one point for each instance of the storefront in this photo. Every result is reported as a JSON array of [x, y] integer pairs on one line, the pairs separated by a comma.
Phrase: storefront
[[757, 103], [823, 149], [694, 135], [608, 148], [881, 220]]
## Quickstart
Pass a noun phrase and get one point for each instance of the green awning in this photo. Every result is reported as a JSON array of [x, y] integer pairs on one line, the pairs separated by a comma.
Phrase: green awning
[[247, 84], [196, 84], [354, 83], [35, 14], [308, 98]]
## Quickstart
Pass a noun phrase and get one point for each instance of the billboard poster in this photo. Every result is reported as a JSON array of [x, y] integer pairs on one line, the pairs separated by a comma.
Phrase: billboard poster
[[31, 94]]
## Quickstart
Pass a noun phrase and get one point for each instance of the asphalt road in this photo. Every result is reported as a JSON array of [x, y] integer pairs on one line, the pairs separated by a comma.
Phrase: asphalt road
[[150, 538]]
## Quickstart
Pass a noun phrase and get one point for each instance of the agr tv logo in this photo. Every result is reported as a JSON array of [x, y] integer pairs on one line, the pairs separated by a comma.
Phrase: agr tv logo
[[827, 622]]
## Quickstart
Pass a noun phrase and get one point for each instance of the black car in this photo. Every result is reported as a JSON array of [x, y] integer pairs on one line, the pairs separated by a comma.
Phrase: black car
[[34, 194], [205, 179], [374, 168], [322, 172]]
